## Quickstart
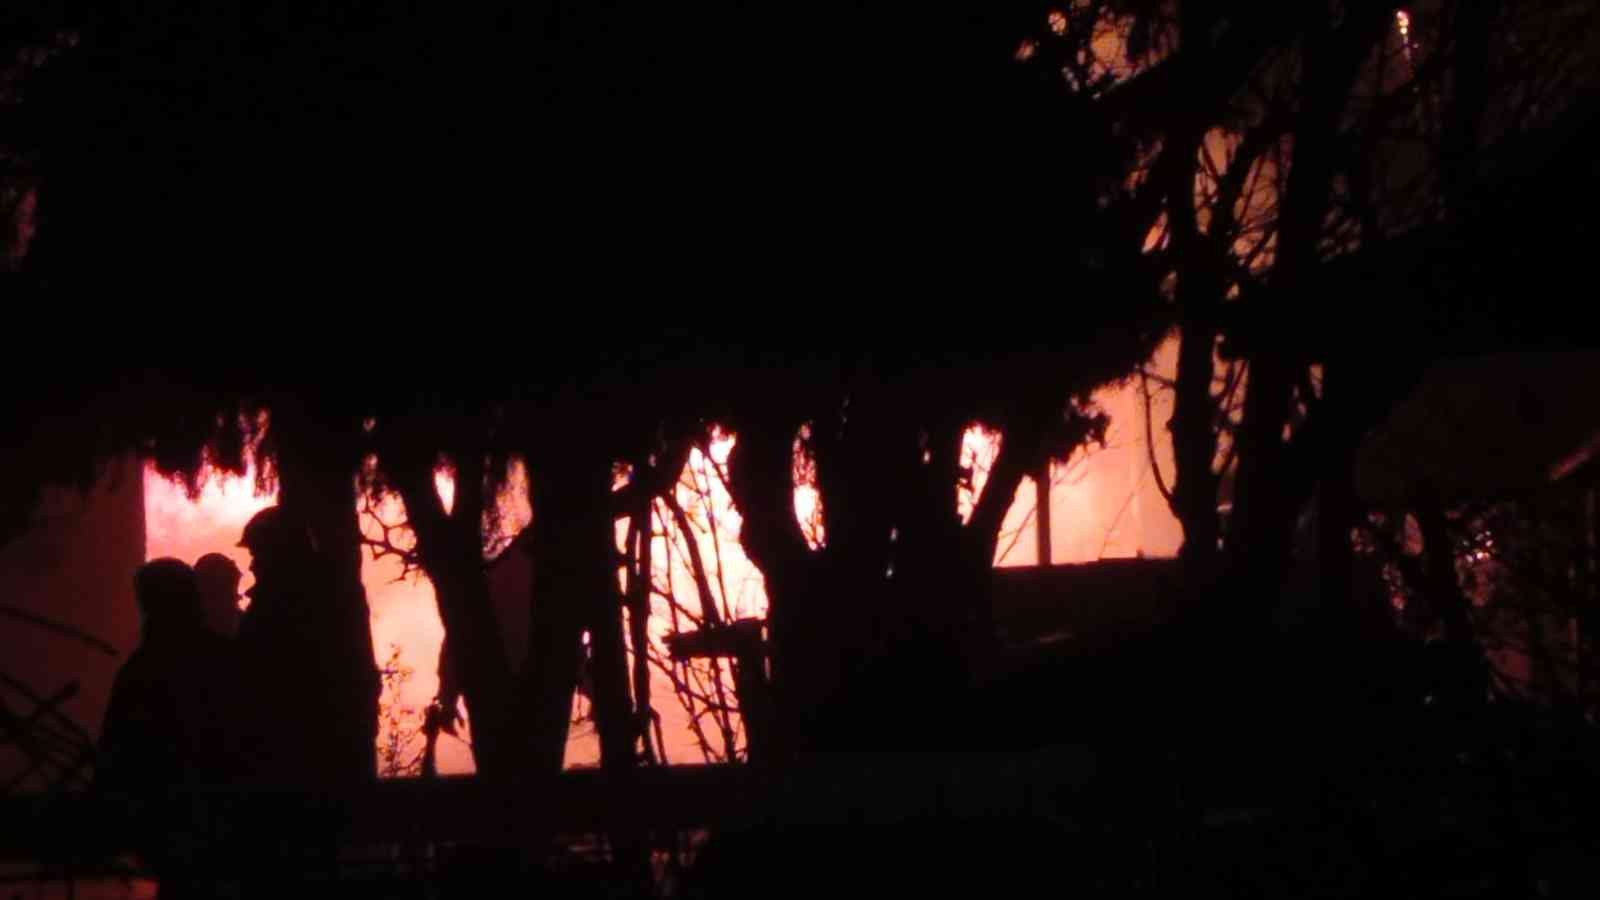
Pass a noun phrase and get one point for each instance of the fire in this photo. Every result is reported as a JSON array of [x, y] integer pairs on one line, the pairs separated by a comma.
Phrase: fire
[[403, 612], [1103, 503]]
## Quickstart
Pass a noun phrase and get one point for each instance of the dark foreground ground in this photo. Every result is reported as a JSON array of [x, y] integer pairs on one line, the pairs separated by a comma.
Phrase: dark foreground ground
[[1165, 775]]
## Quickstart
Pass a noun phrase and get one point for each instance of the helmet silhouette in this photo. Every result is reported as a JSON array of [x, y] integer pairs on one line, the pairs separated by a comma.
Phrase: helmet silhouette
[[270, 529]]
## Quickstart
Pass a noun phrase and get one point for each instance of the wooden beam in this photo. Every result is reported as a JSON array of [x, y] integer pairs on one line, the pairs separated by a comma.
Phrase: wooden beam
[[736, 639]]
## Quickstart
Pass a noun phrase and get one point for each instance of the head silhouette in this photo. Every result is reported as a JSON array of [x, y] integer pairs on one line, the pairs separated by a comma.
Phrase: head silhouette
[[218, 580], [168, 594], [274, 542]]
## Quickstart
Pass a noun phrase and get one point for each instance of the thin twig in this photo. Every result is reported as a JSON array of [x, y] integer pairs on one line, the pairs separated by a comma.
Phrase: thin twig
[[1150, 441], [58, 627]]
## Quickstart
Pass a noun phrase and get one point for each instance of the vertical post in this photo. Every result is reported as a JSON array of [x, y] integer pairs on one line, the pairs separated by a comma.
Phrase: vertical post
[[1041, 487]]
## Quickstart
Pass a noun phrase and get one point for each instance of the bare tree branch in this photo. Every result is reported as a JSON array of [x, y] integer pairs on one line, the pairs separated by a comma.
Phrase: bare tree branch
[[64, 630], [1150, 443]]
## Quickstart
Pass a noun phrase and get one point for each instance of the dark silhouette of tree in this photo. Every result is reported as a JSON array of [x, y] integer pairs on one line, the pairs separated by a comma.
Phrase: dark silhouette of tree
[[191, 427], [889, 611], [1513, 516], [1319, 204], [1318, 154], [450, 548]]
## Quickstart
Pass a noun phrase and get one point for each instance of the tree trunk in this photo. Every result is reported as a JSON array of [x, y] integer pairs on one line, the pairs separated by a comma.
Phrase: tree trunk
[[1041, 517], [1199, 294], [940, 574], [1265, 509], [656, 472], [450, 547], [761, 483], [613, 706], [576, 563], [875, 631], [573, 570], [637, 596], [1194, 445], [317, 458]]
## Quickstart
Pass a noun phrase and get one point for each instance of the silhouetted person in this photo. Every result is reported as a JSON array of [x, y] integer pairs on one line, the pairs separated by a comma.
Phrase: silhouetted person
[[218, 578], [169, 721], [298, 680], [170, 725], [296, 669]]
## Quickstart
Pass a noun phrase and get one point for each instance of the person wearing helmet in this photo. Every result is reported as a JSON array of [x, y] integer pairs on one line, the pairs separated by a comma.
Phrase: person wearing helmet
[[301, 675], [275, 639]]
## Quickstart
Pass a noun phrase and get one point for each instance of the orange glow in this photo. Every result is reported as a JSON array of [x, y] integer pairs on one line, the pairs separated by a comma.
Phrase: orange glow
[[979, 447], [403, 613], [1104, 501], [737, 590], [1103, 504], [445, 484], [177, 526], [807, 496]]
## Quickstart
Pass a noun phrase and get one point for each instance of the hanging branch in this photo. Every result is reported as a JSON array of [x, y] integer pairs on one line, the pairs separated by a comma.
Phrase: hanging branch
[[1117, 519], [675, 671], [28, 693], [637, 594], [708, 600], [1150, 441], [1016, 533], [674, 608], [718, 708], [58, 628], [45, 747], [702, 583], [386, 544], [686, 698], [716, 544], [688, 681]]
